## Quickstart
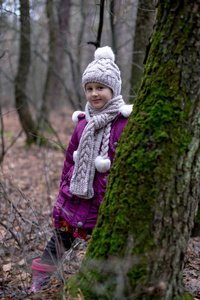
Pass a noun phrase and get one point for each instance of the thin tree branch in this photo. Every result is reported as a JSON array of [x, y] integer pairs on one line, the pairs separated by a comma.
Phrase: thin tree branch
[[4, 151], [59, 144], [12, 233], [101, 13], [2, 55], [6, 197]]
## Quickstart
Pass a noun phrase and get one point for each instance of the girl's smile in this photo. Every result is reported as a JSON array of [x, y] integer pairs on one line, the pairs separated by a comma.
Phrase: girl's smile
[[98, 94]]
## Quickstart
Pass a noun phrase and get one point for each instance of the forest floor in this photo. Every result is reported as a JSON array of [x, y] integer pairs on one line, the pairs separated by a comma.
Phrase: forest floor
[[29, 182]]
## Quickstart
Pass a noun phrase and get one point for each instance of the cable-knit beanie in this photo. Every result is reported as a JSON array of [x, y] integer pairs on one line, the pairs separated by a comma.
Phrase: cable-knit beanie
[[103, 70]]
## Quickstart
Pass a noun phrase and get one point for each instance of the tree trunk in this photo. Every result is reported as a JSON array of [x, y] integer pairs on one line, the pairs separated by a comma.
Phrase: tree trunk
[[21, 99], [63, 12], [57, 37], [114, 12], [139, 243], [144, 26], [53, 36]]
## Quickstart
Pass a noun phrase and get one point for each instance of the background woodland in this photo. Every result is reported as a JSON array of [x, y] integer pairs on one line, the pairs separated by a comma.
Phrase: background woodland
[[45, 47]]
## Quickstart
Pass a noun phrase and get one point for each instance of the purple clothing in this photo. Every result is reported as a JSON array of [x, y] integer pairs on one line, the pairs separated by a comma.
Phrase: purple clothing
[[83, 213]]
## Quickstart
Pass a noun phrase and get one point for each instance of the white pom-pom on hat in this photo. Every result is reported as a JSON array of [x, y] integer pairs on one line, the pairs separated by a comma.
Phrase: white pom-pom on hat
[[102, 164], [104, 52]]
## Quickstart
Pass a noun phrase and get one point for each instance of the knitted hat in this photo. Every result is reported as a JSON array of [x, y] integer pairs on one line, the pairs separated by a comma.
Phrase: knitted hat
[[103, 70]]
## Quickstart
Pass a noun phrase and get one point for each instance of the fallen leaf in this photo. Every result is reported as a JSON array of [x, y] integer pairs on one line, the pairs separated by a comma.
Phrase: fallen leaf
[[21, 262], [7, 267]]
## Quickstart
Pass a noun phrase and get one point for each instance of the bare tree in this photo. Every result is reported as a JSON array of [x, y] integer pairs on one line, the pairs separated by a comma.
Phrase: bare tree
[[48, 93], [21, 100], [58, 20]]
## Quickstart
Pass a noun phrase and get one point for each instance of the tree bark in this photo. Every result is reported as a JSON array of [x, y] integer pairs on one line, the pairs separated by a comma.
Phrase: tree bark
[[57, 37], [113, 21], [138, 246], [115, 11], [144, 26], [53, 36], [21, 99], [63, 13]]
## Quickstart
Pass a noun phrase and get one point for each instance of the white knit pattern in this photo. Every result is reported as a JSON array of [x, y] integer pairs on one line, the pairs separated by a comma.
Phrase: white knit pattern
[[96, 135], [105, 141]]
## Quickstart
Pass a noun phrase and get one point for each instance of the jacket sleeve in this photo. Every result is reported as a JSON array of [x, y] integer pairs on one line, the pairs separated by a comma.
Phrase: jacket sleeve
[[73, 146]]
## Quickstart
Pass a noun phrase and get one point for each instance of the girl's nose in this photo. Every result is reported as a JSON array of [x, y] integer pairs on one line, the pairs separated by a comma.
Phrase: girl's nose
[[94, 92]]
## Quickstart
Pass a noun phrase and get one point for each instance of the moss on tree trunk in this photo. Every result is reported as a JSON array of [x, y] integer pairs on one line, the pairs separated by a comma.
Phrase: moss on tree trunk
[[138, 246]]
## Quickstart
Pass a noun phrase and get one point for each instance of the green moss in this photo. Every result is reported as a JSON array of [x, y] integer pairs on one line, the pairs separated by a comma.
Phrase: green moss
[[72, 287], [75, 284], [90, 285], [186, 296], [137, 275], [186, 31]]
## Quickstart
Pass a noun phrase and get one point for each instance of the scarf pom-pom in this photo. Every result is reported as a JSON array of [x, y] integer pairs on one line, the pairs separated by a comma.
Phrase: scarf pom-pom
[[76, 114], [126, 110], [102, 165], [74, 155]]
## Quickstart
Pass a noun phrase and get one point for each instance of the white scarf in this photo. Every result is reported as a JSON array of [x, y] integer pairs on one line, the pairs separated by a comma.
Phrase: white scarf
[[95, 137]]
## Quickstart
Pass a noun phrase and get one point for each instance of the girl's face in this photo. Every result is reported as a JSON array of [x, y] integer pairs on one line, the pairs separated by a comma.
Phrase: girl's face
[[98, 94]]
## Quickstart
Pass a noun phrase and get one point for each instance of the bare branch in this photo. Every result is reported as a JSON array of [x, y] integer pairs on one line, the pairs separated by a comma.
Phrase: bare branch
[[2, 55], [101, 13], [13, 205], [10, 230]]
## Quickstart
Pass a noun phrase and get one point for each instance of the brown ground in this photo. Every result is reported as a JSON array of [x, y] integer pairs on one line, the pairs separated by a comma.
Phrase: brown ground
[[29, 182]]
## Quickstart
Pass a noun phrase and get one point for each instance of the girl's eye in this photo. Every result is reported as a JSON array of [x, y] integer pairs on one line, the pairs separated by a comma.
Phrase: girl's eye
[[100, 88]]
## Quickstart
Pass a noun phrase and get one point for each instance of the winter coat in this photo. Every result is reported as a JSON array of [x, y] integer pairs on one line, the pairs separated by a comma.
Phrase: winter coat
[[77, 212]]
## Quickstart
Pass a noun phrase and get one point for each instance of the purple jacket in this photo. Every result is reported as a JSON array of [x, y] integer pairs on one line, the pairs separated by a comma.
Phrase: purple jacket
[[77, 212]]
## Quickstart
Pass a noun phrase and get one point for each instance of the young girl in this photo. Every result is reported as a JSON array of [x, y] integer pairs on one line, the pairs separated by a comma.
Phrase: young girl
[[88, 160]]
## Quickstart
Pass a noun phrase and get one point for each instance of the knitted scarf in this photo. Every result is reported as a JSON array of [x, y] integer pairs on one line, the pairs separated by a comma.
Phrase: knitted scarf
[[95, 138]]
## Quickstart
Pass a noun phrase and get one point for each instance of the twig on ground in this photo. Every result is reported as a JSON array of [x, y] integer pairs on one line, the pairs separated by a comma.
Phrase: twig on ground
[[10, 230], [13, 205]]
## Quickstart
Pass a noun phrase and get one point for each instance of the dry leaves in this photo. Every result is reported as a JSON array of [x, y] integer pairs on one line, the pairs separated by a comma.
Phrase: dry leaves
[[30, 178], [191, 273]]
